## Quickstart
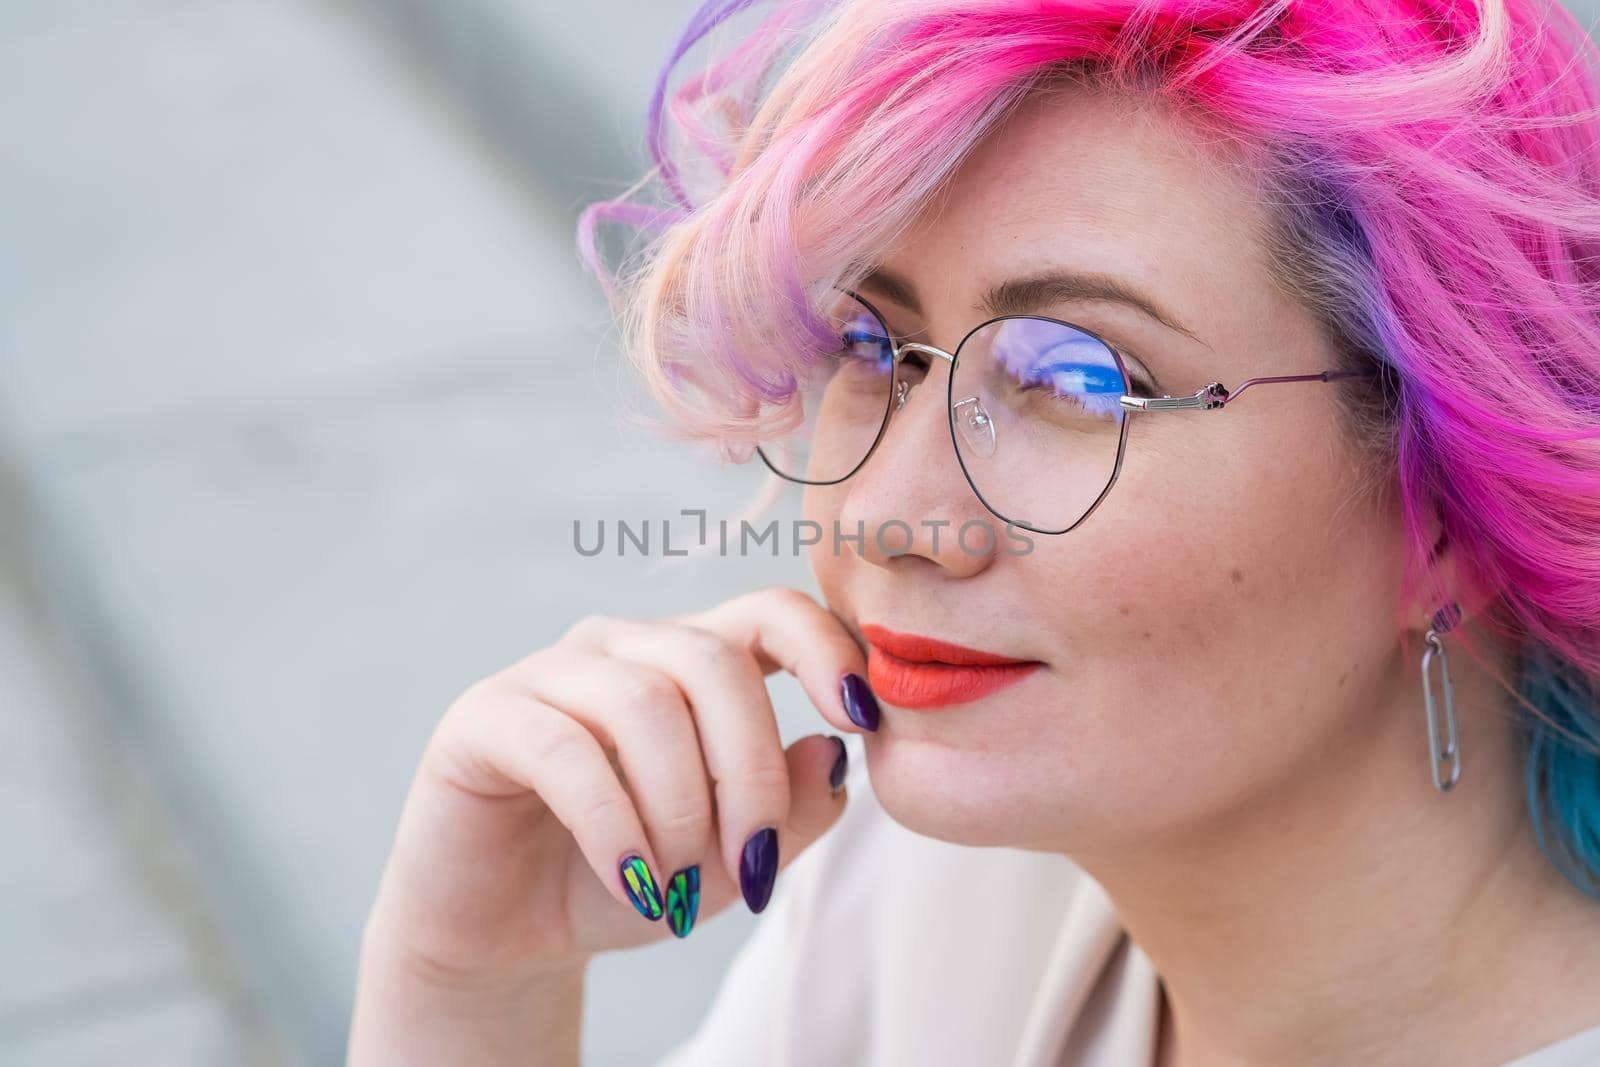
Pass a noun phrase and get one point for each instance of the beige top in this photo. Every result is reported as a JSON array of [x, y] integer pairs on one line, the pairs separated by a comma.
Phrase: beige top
[[886, 948]]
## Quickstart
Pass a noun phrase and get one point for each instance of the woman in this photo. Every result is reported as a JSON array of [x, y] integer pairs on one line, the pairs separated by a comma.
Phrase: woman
[[1213, 729]]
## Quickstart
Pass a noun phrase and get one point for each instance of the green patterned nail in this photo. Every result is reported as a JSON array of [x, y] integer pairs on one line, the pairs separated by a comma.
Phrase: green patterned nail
[[683, 900], [640, 885]]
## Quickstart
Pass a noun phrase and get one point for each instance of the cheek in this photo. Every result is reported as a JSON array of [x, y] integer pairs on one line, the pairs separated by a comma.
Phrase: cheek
[[1143, 614], [1215, 607], [1172, 557], [822, 504]]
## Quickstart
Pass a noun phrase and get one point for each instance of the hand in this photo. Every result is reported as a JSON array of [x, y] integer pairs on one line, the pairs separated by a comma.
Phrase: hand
[[623, 738]]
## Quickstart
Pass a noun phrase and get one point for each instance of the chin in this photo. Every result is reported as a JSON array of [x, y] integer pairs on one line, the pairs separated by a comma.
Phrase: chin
[[960, 796]]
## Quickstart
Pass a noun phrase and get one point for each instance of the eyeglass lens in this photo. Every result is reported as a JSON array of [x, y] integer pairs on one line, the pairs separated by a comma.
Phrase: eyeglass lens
[[1034, 410]]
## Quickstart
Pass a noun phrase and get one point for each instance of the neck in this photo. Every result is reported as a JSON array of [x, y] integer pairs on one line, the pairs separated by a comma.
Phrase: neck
[[1357, 915]]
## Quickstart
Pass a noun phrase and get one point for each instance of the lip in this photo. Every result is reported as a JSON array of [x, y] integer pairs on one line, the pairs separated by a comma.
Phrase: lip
[[922, 673]]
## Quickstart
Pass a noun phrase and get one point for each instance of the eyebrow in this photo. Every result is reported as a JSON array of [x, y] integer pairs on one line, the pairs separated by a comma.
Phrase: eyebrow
[[1021, 296]]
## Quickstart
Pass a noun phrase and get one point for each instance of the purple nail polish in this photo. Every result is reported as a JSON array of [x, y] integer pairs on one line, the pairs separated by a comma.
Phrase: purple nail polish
[[841, 763], [859, 703], [758, 868]]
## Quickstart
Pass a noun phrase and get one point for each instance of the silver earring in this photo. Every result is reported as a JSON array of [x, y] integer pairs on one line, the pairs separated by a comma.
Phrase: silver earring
[[1442, 621]]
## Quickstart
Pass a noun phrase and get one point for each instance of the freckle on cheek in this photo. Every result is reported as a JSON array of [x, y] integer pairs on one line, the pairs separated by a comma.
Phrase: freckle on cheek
[[1237, 575], [1124, 609]]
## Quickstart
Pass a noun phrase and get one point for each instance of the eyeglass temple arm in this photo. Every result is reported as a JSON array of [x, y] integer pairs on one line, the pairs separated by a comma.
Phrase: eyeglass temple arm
[[1216, 394]]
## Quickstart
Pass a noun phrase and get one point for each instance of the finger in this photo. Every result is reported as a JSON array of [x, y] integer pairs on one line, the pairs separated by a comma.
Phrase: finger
[[815, 762], [641, 713], [815, 805], [727, 697], [512, 741], [786, 629]]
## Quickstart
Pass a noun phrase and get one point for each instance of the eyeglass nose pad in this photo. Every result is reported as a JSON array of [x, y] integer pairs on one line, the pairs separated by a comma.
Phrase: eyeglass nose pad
[[976, 427], [902, 390]]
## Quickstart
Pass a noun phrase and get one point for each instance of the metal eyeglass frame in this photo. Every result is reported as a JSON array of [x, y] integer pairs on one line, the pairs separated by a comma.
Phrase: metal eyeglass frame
[[1214, 395]]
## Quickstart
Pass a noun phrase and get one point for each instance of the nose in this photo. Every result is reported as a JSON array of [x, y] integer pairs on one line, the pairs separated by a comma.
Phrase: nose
[[910, 501], [969, 416]]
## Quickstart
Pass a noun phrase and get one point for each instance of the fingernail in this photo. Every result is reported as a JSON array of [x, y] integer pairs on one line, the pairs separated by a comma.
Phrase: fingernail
[[841, 763], [758, 868], [640, 885], [683, 900], [859, 703]]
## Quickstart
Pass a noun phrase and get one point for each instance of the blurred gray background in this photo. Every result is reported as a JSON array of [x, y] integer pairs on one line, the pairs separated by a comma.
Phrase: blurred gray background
[[301, 389]]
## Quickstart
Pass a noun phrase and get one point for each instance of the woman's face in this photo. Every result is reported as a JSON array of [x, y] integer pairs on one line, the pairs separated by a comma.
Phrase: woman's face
[[1223, 630]]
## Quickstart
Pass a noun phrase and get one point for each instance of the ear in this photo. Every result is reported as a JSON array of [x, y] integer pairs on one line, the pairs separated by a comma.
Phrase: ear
[[1452, 584]]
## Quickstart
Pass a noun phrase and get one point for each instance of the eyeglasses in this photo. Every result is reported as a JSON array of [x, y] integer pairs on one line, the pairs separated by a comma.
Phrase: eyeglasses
[[1037, 409]]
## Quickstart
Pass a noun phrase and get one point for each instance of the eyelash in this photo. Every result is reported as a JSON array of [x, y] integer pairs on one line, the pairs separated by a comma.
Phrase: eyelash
[[1141, 386]]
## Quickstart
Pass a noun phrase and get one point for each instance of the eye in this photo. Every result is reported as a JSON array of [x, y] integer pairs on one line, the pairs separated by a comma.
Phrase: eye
[[1140, 381], [1081, 387], [1138, 385], [868, 345]]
